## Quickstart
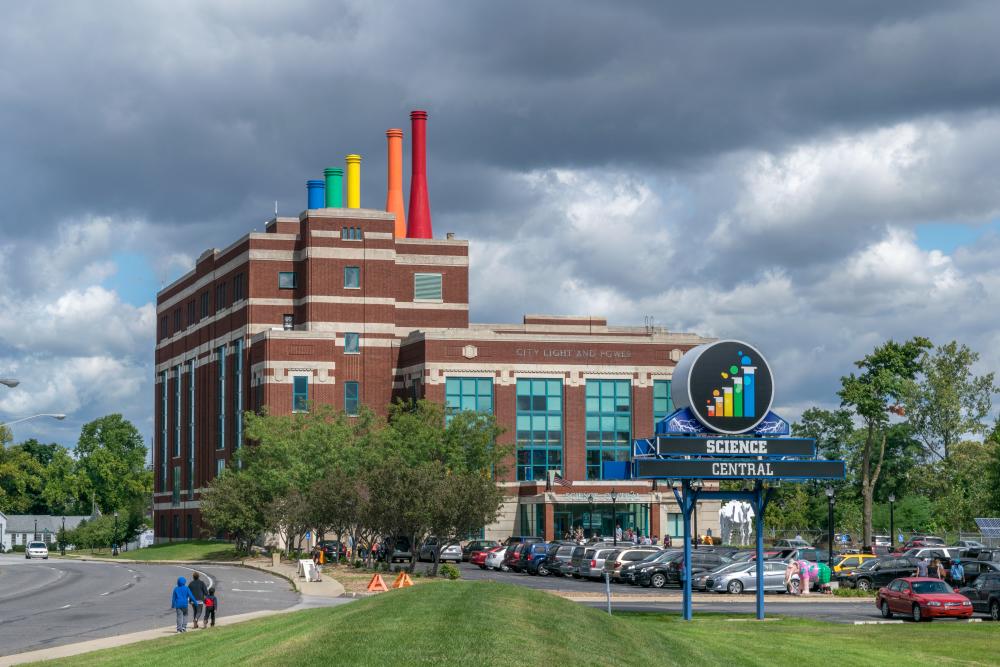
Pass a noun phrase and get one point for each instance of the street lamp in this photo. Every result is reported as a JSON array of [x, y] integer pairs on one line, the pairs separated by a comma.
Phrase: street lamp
[[54, 415], [62, 539], [590, 517], [892, 522], [614, 515], [696, 485], [829, 526], [114, 538], [34, 535], [10, 382]]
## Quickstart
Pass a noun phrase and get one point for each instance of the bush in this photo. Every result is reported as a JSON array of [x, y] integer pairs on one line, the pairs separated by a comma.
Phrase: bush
[[853, 593], [449, 571], [357, 563], [18, 549]]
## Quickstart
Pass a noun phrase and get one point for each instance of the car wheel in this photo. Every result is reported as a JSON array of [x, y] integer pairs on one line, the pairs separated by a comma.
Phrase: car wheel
[[995, 610], [863, 585], [735, 587], [504, 568], [576, 575], [658, 580], [543, 571], [886, 612], [917, 614]]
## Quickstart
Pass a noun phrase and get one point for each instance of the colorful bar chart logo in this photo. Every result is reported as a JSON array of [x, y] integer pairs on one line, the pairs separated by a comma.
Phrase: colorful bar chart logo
[[736, 394]]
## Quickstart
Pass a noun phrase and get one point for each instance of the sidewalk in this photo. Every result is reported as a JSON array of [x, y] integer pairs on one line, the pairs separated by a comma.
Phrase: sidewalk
[[328, 587]]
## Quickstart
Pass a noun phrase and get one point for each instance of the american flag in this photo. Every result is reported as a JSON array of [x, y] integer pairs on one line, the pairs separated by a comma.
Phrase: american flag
[[558, 479]]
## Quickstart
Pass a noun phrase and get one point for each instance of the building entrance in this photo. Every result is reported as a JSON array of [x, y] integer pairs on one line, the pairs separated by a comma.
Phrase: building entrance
[[601, 522]]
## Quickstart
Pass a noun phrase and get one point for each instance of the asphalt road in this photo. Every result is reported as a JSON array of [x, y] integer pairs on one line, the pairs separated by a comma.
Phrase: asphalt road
[[45, 603]]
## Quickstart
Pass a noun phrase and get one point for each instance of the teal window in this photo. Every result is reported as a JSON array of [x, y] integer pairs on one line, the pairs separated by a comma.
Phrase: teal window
[[352, 343], [238, 392], [427, 287], [539, 428], [461, 393], [178, 374], [175, 497], [351, 398], [220, 465], [191, 443], [352, 277], [221, 399], [300, 393], [286, 280], [609, 423], [163, 430], [663, 402]]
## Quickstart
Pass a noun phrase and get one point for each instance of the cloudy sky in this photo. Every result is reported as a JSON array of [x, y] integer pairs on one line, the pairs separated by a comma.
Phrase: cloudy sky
[[813, 177]]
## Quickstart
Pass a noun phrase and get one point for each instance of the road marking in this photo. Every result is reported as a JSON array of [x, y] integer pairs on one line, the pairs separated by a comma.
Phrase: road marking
[[66, 606], [876, 622], [250, 590], [975, 620], [108, 593]]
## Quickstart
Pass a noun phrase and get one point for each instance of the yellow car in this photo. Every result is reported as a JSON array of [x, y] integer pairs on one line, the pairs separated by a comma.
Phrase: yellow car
[[850, 562]]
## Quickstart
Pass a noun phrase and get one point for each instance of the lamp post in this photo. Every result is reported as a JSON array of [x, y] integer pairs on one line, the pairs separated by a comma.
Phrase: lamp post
[[114, 538], [614, 515], [829, 526], [62, 539], [696, 486], [54, 415], [892, 523], [590, 517], [34, 535]]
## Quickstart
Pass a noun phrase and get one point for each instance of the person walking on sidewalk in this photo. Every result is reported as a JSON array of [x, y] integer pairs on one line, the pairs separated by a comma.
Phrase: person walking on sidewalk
[[179, 602], [198, 590], [211, 605]]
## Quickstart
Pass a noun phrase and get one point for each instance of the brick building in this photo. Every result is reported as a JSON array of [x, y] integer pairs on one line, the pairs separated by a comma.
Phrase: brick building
[[337, 307]]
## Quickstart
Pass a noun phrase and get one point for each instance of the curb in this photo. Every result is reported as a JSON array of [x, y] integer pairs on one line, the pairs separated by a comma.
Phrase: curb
[[295, 585]]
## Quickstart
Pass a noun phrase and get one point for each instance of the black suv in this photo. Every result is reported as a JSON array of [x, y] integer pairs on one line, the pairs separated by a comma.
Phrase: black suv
[[629, 572], [669, 571], [985, 594], [878, 572]]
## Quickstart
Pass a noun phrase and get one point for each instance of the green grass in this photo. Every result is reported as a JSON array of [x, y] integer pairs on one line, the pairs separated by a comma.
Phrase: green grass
[[191, 550], [486, 623]]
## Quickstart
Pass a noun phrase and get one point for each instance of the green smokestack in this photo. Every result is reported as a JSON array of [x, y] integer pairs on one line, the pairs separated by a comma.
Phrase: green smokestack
[[334, 187]]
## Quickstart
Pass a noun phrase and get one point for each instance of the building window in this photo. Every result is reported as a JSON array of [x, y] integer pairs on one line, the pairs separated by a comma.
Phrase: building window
[[352, 277], [288, 322], [468, 394], [178, 322], [350, 234], [178, 374], [300, 393], [237, 287], [177, 526], [221, 399], [539, 428], [427, 287], [164, 412], [191, 442], [675, 524], [220, 466], [238, 392], [220, 296], [164, 327], [190, 526], [176, 496], [204, 305], [351, 401], [192, 312], [663, 402], [609, 423], [286, 280], [352, 343]]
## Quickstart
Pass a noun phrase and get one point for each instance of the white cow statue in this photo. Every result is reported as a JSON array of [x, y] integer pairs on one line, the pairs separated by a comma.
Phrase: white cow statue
[[736, 517]]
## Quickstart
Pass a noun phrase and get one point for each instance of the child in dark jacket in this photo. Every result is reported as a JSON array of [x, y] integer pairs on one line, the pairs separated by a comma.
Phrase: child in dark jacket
[[211, 604]]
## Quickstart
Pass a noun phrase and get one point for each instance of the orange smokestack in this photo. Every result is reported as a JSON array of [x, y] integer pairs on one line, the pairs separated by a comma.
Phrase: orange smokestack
[[394, 179]]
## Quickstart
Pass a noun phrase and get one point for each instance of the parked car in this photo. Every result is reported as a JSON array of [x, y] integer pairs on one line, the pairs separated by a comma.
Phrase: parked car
[[476, 546], [333, 549], [531, 552], [560, 557], [923, 541], [495, 558], [518, 539], [975, 568], [811, 554], [879, 572], [738, 577], [932, 552], [969, 544], [401, 551], [923, 598], [450, 551], [480, 557], [542, 559], [36, 550], [850, 562], [984, 593], [992, 555], [671, 568], [699, 581], [592, 565], [629, 571], [513, 556], [572, 568], [628, 556], [796, 543]]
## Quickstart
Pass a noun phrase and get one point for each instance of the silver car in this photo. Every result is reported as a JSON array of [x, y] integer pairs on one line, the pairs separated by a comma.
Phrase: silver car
[[592, 565], [743, 577], [451, 551]]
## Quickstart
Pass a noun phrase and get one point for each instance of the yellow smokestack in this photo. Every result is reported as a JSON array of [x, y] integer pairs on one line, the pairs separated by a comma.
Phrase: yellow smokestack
[[353, 181]]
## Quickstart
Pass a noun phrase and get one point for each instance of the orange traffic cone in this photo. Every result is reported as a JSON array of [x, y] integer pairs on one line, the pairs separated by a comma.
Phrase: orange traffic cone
[[376, 585], [402, 581]]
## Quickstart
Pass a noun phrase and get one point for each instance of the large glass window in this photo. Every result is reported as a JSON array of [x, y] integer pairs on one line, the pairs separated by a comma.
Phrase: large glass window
[[609, 423], [178, 374], [468, 394], [191, 443], [286, 280], [164, 412], [221, 399], [539, 428], [300, 393], [352, 343], [351, 397], [238, 392], [175, 496], [352, 277], [663, 402]]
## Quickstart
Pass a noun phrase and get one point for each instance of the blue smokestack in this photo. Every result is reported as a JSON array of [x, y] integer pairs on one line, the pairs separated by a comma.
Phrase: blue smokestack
[[317, 193]]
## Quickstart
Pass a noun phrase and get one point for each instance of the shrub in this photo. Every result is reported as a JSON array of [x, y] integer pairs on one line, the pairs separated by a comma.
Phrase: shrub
[[18, 549], [357, 563], [449, 571], [853, 593]]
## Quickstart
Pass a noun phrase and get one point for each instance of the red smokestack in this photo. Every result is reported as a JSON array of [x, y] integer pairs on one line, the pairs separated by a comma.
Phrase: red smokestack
[[419, 218]]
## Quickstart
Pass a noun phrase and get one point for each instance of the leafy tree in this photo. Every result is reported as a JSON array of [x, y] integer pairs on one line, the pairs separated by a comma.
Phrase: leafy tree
[[112, 460], [466, 501], [948, 401], [886, 377], [235, 503], [20, 481], [61, 485]]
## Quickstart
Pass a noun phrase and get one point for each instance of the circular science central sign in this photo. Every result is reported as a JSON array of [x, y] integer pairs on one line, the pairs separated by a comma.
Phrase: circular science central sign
[[727, 385]]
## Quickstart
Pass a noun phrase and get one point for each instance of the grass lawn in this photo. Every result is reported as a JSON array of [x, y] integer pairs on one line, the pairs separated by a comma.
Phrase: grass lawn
[[192, 550], [487, 623]]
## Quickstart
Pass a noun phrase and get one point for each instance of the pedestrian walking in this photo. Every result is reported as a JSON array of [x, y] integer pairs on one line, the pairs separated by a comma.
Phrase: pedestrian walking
[[921, 567], [618, 532], [937, 570], [957, 574], [667, 542], [198, 591], [211, 606], [179, 602]]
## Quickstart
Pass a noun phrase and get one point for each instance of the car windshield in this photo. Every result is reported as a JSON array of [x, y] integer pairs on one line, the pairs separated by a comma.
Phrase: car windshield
[[37, 545], [730, 567], [869, 564], [926, 587]]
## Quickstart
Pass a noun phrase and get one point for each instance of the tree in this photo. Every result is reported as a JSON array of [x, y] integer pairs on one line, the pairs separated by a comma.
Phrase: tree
[[20, 481], [886, 376], [234, 503], [466, 501], [112, 460], [948, 402]]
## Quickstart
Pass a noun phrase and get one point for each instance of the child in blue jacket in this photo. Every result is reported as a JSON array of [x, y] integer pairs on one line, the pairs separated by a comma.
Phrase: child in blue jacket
[[179, 601]]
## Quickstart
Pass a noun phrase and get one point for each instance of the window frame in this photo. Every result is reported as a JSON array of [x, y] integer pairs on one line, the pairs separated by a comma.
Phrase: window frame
[[348, 387], [352, 270], [529, 446], [300, 405], [356, 347], [282, 279], [440, 287], [618, 451]]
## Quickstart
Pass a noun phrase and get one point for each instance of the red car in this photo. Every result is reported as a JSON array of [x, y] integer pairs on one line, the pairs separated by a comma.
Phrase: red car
[[479, 557], [922, 598]]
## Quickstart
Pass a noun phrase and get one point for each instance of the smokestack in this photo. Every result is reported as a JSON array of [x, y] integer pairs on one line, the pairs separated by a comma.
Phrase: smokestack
[[394, 179], [353, 181], [315, 190], [334, 187], [420, 207]]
